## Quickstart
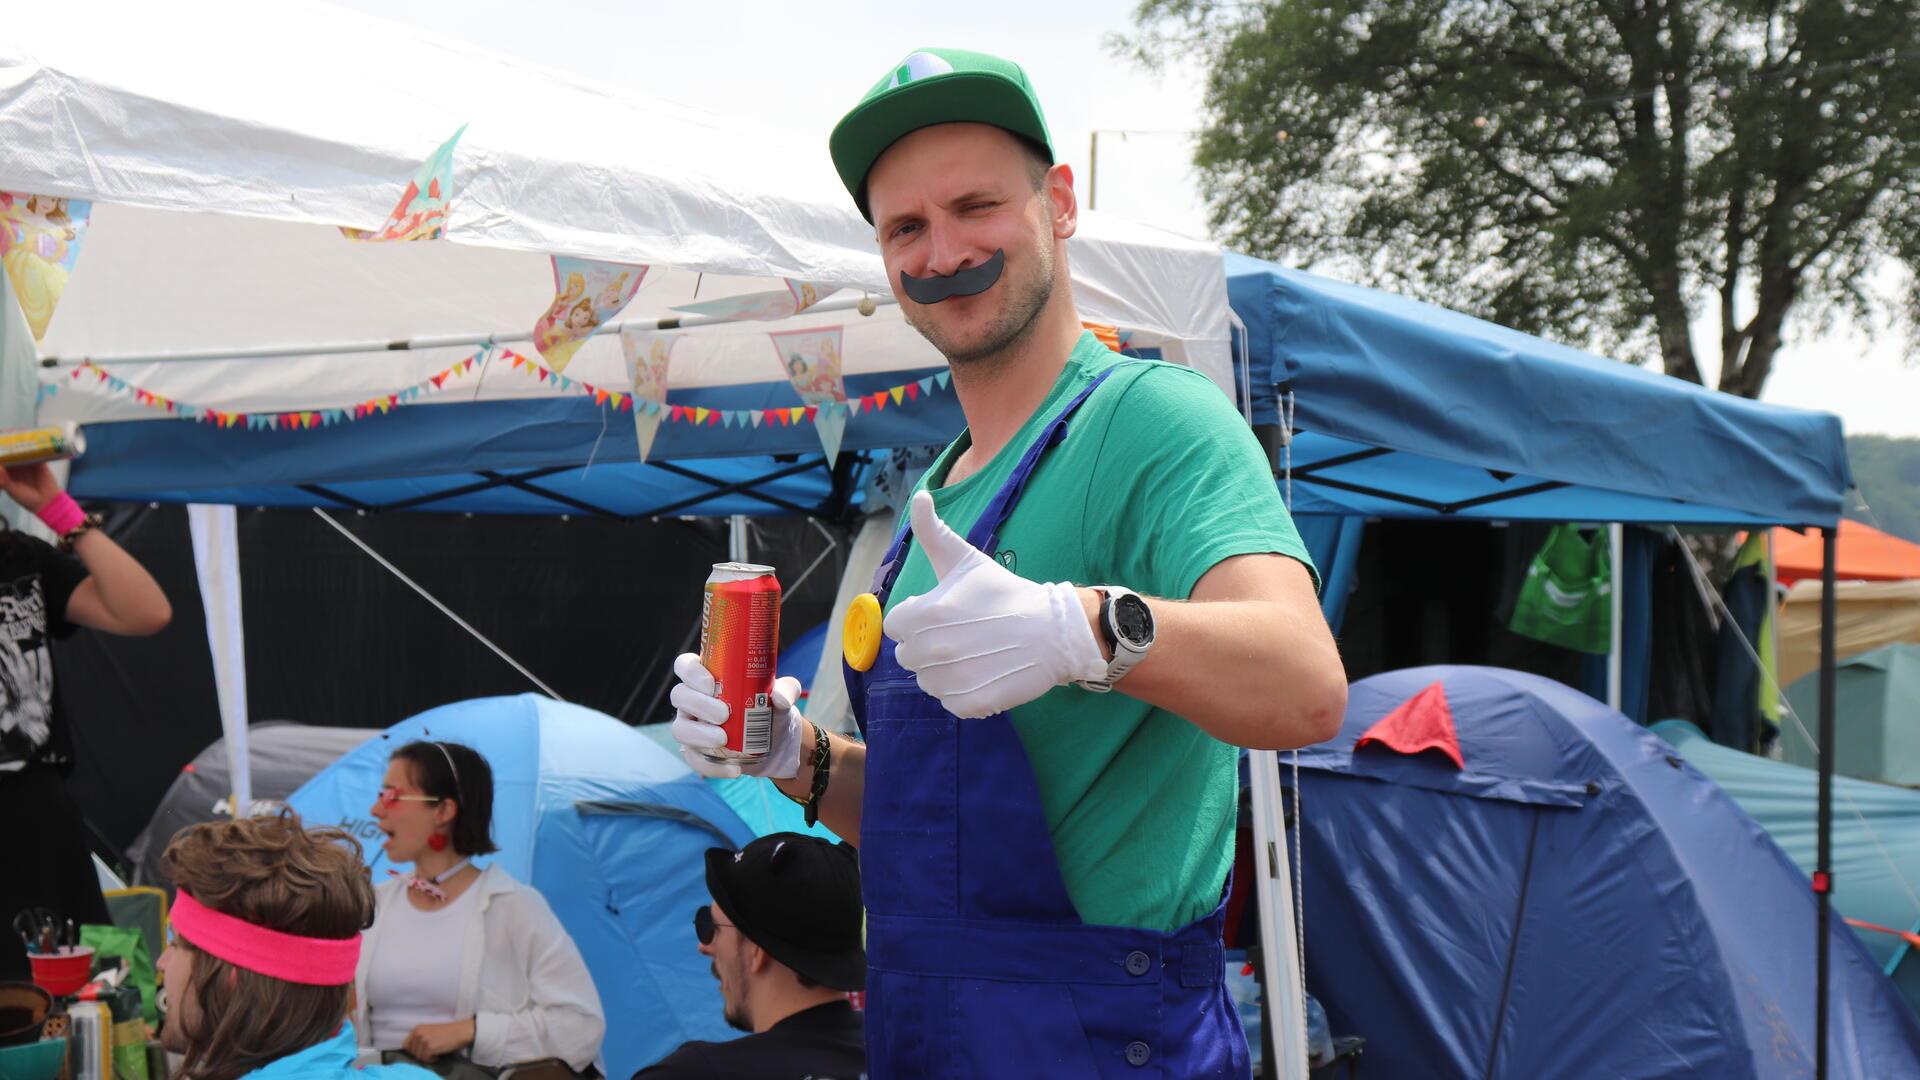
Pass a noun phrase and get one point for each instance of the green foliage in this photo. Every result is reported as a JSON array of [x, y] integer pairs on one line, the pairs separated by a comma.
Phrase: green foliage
[[1887, 472], [1590, 170]]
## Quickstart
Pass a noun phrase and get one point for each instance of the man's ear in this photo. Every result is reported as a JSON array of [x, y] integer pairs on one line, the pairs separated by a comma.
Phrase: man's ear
[[1063, 204], [758, 959]]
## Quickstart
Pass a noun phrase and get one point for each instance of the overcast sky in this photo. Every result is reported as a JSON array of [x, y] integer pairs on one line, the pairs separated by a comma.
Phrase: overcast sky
[[799, 66]]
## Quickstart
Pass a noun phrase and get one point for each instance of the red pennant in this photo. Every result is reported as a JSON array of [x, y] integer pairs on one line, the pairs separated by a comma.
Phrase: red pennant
[[713, 418], [439, 380], [913, 391], [1423, 722], [812, 411]]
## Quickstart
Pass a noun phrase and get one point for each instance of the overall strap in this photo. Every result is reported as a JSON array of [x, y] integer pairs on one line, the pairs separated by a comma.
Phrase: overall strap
[[987, 526]]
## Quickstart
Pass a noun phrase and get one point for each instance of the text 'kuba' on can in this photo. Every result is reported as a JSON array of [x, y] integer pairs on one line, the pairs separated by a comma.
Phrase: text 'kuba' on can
[[34, 445], [739, 637]]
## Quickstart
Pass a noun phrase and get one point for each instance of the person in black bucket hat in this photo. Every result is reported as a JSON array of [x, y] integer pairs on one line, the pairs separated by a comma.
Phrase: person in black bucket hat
[[784, 934]]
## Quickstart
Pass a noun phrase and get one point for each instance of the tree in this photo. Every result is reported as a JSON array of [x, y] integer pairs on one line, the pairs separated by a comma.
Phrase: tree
[[1594, 170]]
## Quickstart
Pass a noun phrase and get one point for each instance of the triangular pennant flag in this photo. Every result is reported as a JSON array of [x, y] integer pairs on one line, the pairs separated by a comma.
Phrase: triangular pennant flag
[[44, 235], [753, 415], [926, 385], [422, 211], [726, 418], [897, 392], [943, 378], [795, 414], [913, 391], [713, 416], [587, 294], [1422, 722], [879, 399], [700, 414]]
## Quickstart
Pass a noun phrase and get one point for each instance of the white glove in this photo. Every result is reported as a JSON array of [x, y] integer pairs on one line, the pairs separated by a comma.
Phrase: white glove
[[985, 639], [698, 715]]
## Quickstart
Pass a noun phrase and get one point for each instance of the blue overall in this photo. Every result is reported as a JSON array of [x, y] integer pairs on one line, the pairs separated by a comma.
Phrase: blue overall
[[978, 966]]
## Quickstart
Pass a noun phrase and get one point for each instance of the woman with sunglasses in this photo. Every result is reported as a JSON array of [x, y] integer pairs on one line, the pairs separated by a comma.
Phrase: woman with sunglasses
[[465, 969]]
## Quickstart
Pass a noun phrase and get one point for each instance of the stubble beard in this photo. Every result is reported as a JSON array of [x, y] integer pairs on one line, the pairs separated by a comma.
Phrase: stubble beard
[[1026, 301]]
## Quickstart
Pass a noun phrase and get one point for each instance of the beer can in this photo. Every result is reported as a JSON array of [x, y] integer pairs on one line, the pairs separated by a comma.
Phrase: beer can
[[739, 640], [31, 446]]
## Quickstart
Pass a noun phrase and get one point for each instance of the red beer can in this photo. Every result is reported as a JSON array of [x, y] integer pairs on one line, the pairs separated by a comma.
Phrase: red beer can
[[739, 640]]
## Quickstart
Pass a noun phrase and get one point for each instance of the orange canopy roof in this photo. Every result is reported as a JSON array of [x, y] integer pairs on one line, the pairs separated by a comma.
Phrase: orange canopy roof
[[1863, 553]]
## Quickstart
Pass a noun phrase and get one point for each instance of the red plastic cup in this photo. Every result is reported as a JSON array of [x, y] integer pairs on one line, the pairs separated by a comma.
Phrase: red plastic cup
[[61, 973]]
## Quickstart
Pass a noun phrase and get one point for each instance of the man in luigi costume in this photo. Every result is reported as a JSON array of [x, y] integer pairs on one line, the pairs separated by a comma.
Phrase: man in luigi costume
[[1096, 597]]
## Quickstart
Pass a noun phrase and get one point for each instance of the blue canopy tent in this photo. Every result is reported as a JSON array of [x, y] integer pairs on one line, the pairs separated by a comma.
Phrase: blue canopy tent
[[1403, 409], [1400, 409], [1572, 900], [607, 825]]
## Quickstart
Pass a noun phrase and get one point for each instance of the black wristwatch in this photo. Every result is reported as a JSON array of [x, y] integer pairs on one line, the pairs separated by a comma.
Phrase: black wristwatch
[[1126, 622]]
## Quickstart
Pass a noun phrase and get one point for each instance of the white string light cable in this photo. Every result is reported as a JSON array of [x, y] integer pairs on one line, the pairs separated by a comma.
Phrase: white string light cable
[[444, 609], [1753, 654]]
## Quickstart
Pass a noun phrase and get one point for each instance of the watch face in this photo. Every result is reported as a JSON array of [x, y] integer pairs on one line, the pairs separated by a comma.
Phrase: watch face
[[1133, 619]]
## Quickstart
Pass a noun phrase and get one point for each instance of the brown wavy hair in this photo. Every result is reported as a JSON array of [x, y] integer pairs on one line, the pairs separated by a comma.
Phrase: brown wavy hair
[[272, 872]]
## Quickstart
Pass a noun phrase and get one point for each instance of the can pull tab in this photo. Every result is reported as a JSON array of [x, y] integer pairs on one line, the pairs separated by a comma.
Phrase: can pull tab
[[860, 636]]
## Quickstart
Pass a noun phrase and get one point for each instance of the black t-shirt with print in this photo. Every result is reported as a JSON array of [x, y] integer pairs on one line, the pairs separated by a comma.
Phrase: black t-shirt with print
[[36, 581]]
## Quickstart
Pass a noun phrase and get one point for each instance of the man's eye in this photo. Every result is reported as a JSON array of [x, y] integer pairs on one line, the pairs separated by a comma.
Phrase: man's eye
[[904, 230]]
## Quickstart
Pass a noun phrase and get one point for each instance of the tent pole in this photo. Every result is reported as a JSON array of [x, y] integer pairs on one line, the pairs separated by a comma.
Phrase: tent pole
[[520, 336], [1616, 546], [737, 538], [1823, 872], [1283, 983]]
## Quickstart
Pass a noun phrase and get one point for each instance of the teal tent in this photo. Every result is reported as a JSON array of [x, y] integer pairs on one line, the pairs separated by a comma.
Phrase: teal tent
[[1876, 716], [1876, 839]]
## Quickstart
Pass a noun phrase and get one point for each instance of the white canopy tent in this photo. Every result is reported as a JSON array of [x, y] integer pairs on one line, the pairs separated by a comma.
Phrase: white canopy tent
[[222, 145]]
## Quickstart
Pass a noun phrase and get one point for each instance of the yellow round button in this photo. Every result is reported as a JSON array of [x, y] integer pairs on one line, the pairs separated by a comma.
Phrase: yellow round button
[[860, 638]]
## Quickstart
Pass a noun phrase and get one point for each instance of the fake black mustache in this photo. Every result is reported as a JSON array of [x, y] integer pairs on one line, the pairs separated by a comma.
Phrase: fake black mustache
[[977, 279]]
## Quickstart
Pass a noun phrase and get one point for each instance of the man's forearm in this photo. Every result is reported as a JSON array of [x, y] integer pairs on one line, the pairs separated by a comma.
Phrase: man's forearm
[[1253, 673], [846, 781]]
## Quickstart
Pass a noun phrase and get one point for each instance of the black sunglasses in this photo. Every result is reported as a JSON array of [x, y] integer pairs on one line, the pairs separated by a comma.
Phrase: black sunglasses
[[704, 924]]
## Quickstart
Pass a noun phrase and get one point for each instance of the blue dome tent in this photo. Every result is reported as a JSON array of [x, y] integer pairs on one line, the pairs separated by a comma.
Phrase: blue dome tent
[[607, 825], [1458, 907]]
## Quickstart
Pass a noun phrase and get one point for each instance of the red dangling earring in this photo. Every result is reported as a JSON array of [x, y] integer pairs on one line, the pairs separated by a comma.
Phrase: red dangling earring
[[438, 842]]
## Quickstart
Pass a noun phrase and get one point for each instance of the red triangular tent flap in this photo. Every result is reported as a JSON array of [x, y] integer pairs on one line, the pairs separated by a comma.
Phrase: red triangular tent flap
[[1422, 722]]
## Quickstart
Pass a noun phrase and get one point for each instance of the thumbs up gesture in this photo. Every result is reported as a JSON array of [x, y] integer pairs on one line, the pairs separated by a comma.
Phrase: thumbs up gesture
[[985, 639]]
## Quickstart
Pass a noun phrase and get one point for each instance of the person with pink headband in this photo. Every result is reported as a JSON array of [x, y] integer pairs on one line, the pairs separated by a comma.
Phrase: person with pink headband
[[45, 593], [257, 982]]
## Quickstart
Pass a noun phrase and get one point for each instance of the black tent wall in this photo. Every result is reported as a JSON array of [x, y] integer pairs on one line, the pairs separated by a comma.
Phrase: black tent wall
[[597, 609]]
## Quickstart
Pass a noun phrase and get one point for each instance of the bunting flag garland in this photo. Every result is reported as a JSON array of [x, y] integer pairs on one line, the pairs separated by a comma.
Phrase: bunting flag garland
[[797, 297], [587, 294], [838, 411], [811, 359], [421, 213], [826, 412], [40, 239], [649, 355], [300, 420]]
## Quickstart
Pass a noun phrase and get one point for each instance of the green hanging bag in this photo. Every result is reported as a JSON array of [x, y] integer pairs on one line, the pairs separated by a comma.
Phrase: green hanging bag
[[1567, 597]]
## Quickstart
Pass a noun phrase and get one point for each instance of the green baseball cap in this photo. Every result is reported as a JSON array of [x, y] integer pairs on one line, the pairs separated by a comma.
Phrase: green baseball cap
[[934, 86]]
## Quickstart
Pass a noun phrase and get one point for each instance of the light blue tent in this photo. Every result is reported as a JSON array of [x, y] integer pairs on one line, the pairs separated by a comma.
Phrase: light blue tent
[[608, 826], [1876, 839]]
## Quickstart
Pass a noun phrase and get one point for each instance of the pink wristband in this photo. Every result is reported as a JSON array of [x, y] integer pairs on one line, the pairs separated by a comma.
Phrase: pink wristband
[[62, 514]]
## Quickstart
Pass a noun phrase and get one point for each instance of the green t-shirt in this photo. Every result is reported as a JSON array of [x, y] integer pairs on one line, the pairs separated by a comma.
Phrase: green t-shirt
[[1157, 481]]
